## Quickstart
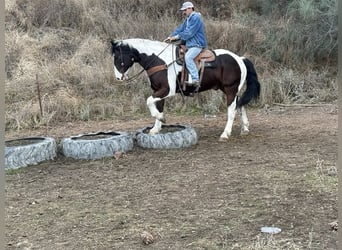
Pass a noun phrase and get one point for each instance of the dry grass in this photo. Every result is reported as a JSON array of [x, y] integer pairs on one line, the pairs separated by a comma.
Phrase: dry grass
[[323, 176], [270, 242], [289, 86]]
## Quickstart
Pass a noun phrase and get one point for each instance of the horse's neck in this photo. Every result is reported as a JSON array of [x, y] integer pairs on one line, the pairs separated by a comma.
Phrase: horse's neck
[[150, 47], [149, 61]]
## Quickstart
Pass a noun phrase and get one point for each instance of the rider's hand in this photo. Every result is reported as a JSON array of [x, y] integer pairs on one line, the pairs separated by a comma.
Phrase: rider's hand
[[170, 39], [167, 40]]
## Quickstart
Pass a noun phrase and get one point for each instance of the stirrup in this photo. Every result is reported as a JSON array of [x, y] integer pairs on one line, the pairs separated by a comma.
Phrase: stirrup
[[193, 84]]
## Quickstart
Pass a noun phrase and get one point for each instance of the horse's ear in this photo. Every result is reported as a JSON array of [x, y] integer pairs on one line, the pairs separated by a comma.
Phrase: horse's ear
[[113, 42], [114, 45]]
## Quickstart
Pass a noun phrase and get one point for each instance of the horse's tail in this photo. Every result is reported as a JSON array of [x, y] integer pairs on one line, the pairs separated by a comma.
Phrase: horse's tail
[[253, 85]]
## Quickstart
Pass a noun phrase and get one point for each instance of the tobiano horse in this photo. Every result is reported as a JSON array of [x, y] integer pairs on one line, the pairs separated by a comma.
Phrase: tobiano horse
[[228, 73]]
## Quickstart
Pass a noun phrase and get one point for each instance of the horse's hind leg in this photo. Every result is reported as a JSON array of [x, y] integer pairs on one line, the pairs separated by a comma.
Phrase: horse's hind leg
[[231, 112], [244, 121]]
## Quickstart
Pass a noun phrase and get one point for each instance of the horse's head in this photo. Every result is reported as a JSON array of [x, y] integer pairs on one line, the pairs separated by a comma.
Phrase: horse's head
[[124, 57]]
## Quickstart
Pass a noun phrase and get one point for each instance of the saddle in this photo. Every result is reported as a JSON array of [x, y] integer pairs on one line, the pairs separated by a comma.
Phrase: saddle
[[206, 58]]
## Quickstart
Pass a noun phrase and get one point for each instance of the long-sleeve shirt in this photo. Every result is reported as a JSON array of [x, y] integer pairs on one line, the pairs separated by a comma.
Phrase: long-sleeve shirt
[[192, 31]]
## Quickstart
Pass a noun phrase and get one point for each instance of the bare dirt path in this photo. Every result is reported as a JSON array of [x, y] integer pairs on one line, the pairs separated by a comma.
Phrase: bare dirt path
[[210, 196]]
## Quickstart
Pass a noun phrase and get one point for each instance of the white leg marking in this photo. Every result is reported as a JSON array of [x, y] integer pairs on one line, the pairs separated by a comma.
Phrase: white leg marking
[[156, 128], [231, 116], [244, 121], [151, 104]]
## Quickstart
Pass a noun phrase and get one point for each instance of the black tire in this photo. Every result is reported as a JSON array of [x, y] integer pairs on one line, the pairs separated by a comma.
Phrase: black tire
[[27, 151], [181, 136], [105, 144]]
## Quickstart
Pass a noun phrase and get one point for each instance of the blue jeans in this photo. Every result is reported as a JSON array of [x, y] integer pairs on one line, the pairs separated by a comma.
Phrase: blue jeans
[[190, 64]]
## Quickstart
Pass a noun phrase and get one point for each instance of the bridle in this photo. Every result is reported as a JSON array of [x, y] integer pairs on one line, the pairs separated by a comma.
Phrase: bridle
[[122, 64]]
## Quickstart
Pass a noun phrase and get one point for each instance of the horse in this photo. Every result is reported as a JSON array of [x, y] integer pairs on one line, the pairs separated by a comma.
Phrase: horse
[[227, 73]]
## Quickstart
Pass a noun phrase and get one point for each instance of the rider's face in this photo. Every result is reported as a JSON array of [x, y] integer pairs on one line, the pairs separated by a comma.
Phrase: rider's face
[[187, 12]]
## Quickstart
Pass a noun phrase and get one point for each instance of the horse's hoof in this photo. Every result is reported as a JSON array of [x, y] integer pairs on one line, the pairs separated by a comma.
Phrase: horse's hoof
[[223, 139], [151, 132], [244, 132]]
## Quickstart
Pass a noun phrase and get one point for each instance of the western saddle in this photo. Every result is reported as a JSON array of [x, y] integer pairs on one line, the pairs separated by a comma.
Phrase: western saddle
[[206, 58]]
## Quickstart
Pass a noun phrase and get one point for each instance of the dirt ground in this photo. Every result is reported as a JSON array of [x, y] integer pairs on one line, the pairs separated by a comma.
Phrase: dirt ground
[[212, 195]]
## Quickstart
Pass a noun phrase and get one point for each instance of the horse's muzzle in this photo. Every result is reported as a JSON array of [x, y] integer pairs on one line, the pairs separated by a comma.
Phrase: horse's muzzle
[[123, 77]]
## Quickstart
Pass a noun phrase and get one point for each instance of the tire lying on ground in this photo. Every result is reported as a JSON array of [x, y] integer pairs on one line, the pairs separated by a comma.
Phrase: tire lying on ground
[[96, 145], [171, 136], [29, 151]]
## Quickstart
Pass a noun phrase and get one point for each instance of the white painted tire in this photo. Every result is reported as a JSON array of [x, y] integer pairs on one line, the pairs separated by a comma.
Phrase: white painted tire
[[184, 136], [29, 151], [84, 147]]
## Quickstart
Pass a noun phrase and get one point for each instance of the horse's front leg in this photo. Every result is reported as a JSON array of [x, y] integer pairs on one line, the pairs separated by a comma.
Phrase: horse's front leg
[[156, 107], [231, 112]]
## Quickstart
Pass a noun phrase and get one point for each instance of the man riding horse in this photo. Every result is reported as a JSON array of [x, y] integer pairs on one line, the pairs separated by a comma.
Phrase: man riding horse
[[192, 32]]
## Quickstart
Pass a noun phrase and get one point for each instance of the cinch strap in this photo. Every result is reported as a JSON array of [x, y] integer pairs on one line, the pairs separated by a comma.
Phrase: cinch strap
[[156, 69]]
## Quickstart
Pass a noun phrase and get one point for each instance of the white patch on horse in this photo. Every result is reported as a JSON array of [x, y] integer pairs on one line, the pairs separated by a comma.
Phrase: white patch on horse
[[149, 47], [172, 78], [240, 62], [151, 104], [118, 75]]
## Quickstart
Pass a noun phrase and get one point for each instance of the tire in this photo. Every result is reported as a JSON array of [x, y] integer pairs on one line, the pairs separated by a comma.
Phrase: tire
[[27, 151], [105, 144], [183, 136]]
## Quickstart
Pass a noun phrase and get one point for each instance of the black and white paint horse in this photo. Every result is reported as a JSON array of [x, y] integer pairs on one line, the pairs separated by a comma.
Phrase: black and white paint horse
[[159, 60]]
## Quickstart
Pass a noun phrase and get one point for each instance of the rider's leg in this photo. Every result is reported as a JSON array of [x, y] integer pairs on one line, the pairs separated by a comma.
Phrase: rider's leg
[[190, 63]]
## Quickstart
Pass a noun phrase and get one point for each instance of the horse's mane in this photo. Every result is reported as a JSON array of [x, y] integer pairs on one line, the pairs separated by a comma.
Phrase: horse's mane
[[123, 45], [141, 41], [145, 45]]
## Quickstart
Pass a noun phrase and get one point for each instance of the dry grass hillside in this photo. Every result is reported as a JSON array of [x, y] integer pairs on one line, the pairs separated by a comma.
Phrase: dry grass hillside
[[63, 45]]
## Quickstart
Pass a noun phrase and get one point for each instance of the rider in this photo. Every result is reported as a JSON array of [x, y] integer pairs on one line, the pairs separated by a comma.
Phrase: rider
[[192, 32]]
